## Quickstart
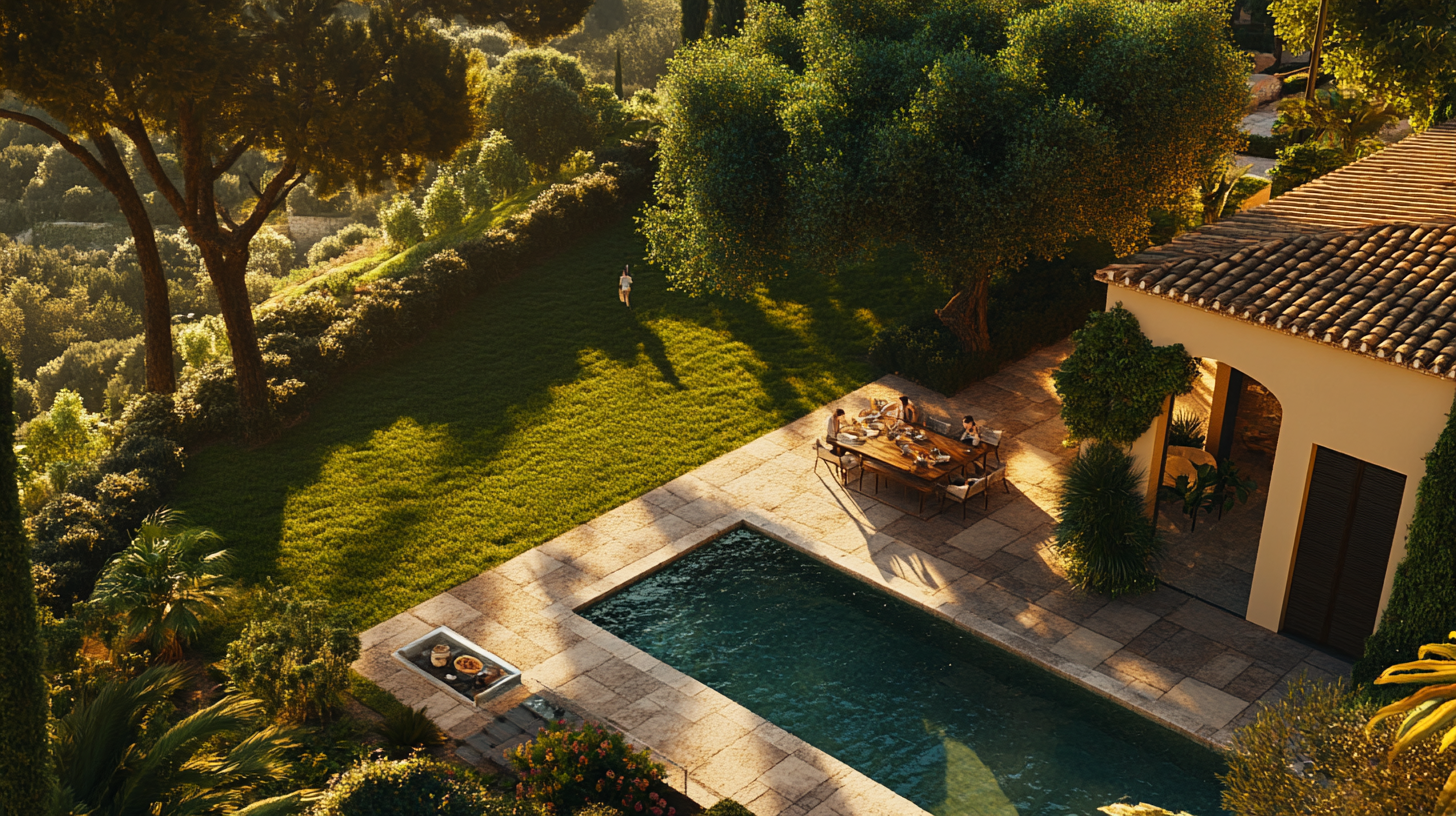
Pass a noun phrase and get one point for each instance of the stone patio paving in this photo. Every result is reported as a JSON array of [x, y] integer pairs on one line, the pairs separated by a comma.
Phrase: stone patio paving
[[1184, 663]]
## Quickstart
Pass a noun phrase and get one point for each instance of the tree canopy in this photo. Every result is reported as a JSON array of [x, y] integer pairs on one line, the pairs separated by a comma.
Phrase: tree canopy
[[348, 100], [978, 132], [1401, 50], [544, 103]]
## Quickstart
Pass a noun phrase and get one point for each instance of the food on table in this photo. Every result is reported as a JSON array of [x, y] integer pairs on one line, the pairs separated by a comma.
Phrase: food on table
[[468, 664]]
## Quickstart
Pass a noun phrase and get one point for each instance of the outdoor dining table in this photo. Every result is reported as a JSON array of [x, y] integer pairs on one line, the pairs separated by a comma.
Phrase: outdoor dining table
[[886, 453]]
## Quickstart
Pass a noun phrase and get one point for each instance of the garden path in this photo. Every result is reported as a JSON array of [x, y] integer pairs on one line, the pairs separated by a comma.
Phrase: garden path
[[1179, 661]]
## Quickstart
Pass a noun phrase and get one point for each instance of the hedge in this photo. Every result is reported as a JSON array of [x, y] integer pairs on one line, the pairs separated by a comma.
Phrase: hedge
[[1422, 607]]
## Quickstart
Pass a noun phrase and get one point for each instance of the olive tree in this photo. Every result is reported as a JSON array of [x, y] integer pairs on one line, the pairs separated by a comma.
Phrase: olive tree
[[317, 89], [543, 102], [978, 133]]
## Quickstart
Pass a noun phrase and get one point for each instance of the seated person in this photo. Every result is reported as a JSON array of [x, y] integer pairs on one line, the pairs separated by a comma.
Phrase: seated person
[[831, 432], [968, 424], [908, 411]]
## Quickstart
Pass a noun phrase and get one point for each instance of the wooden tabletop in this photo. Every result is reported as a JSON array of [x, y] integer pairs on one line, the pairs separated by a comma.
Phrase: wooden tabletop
[[884, 450]]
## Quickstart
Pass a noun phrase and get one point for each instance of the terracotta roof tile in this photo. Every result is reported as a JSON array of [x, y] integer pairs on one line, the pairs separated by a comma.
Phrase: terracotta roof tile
[[1363, 259]]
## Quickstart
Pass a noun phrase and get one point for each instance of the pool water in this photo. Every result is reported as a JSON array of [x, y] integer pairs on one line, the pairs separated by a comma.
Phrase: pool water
[[954, 724]]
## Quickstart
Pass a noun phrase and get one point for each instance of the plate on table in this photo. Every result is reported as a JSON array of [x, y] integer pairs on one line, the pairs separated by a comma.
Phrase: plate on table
[[468, 664]]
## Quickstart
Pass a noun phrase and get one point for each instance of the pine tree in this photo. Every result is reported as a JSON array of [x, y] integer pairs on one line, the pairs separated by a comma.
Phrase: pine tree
[[620, 95], [694, 20], [24, 751]]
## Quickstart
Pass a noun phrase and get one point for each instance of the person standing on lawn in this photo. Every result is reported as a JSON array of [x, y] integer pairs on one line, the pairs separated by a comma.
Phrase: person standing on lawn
[[624, 287]]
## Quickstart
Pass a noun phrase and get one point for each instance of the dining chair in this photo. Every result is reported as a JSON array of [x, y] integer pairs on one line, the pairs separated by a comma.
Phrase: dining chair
[[996, 475], [824, 453], [960, 493], [940, 426]]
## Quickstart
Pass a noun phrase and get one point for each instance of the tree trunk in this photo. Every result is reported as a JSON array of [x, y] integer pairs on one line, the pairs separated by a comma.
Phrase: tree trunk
[[227, 272], [156, 309], [966, 313]]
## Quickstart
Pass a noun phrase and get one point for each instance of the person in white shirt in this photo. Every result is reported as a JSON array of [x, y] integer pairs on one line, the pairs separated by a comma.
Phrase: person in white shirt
[[831, 432], [624, 288], [970, 435]]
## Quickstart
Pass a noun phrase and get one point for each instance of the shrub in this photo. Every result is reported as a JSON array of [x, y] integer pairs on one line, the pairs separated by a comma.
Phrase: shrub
[[81, 236], [1115, 381], [402, 223], [444, 206], [79, 204], [149, 415], [308, 315], [1300, 163], [293, 658], [406, 729], [1105, 537], [65, 434], [207, 402], [727, 807], [85, 368], [271, 254], [1308, 754], [304, 200], [26, 402], [203, 342], [339, 243], [1186, 430], [564, 769], [503, 168], [1422, 605], [1265, 147], [412, 787], [72, 540]]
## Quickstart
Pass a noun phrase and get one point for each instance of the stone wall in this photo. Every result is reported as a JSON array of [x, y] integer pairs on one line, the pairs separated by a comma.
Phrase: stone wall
[[307, 230]]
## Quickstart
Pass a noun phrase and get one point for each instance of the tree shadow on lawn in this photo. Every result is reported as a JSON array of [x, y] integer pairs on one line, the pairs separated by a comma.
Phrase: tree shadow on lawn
[[536, 407]]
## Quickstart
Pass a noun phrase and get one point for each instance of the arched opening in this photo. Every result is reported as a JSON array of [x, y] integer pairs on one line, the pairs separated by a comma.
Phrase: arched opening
[[1211, 554]]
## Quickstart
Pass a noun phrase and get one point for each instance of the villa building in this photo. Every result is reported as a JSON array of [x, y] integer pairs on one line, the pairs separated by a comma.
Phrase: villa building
[[1331, 313]]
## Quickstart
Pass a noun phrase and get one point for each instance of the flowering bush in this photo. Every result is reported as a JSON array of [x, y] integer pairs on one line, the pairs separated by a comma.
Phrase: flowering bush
[[564, 769]]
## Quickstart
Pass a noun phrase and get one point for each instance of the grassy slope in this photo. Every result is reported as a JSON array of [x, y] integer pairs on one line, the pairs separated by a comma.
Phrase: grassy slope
[[388, 264], [536, 407]]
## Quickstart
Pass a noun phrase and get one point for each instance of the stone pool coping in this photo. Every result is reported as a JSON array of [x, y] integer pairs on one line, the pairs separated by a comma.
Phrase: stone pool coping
[[1182, 663]]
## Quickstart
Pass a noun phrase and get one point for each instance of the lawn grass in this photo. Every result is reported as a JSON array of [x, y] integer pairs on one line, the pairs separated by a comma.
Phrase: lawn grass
[[536, 407]]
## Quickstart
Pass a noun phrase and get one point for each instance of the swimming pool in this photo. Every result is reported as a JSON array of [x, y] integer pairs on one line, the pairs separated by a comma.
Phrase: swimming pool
[[954, 724]]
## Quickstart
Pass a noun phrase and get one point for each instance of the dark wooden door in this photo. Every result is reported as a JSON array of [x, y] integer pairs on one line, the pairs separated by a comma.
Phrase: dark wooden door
[[1344, 547]]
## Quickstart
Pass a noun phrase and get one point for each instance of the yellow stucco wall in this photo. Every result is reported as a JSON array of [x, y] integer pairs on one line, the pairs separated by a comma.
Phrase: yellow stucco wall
[[1369, 409]]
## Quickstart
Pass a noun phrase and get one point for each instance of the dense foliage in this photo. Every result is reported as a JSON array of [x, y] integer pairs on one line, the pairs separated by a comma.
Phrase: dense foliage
[[543, 102], [23, 736], [124, 750], [1400, 50], [645, 33], [978, 133], [1302, 163], [165, 583], [1115, 381], [1104, 535], [564, 768], [226, 77], [1037, 305], [293, 657], [1428, 713], [411, 787], [1422, 606], [1308, 754]]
